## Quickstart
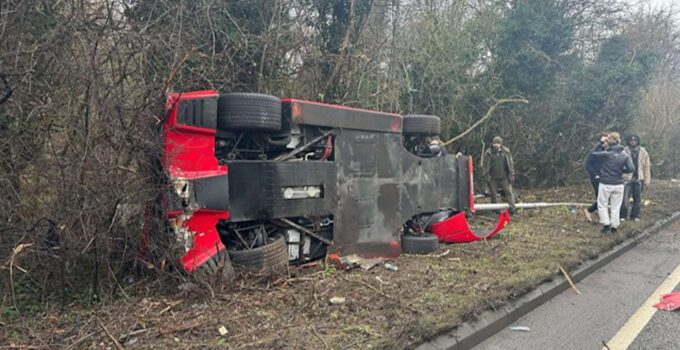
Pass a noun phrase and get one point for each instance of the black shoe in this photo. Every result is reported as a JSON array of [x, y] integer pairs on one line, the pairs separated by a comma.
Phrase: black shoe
[[613, 230], [606, 230]]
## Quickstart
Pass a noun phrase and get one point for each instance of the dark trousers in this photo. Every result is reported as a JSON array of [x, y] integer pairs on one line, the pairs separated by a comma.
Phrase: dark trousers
[[635, 189], [507, 191], [596, 184]]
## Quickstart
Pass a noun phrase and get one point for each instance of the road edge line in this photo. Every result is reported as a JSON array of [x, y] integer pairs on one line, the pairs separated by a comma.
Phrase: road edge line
[[490, 322], [637, 322]]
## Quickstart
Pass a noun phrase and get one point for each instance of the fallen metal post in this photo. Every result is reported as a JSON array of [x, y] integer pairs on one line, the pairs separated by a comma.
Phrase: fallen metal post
[[536, 205]]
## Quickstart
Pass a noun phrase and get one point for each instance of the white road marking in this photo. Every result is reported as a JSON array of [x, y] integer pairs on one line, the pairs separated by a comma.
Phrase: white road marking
[[625, 336]]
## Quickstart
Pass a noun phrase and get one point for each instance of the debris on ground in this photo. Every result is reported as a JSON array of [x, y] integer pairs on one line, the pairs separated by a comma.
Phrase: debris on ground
[[391, 267], [353, 261], [669, 302], [571, 283], [520, 329], [337, 300], [223, 331]]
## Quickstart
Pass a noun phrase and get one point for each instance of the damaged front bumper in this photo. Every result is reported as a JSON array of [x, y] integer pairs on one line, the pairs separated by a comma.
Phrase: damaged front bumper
[[456, 229]]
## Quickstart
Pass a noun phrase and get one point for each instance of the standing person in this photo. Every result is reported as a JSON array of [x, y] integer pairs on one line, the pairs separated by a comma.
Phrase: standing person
[[614, 163], [639, 179], [593, 169], [499, 170]]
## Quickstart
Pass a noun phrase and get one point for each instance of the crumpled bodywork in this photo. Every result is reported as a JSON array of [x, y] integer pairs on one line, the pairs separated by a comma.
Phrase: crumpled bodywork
[[366, 183], [189, 161], [456, 229]]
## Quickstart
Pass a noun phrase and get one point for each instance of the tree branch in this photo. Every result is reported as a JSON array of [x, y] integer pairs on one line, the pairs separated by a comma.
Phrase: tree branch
[[485, 117]]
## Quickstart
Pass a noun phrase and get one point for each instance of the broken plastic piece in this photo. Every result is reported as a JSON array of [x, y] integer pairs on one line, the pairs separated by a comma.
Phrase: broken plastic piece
[[669, 302], [391, 267], [337, 300], [457, 230]]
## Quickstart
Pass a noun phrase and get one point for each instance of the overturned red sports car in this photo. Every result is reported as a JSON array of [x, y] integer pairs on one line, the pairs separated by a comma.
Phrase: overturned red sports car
[[260, 182]]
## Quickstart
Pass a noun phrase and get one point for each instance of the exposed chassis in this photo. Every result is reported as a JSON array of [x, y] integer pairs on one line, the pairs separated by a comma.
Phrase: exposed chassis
[[356, 193]]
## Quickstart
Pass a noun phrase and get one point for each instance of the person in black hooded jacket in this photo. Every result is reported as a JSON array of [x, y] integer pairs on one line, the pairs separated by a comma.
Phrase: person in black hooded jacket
[[613, 164], [593, 168]]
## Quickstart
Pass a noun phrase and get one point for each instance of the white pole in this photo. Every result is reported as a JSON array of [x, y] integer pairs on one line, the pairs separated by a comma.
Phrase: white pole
[[536, 205]]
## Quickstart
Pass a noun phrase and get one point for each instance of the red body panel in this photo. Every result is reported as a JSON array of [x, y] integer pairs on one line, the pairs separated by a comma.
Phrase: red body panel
[[189, 154], [471, 185], [207, 242], [457, 230], [189, 151]]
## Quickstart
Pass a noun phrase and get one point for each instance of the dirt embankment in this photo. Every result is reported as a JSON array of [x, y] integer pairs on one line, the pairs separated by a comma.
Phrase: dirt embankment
[[381, 308]]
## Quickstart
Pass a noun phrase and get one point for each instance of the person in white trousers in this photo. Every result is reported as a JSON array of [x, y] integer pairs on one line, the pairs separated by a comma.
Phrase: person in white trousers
[[613, 164]]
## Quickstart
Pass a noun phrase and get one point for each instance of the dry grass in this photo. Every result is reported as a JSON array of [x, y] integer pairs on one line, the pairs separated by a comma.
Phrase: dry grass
[[383, 309]]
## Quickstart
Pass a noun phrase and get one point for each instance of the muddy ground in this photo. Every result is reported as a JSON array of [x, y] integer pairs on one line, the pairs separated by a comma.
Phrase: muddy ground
[[383, 309]]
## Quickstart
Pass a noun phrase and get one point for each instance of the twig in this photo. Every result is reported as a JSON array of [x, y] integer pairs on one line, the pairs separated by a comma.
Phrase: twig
[[176, 68], [170, 307], [485, 117], [378, 291], [72, 345], [566, 275], [367, 285], [318, 336], [184, 327], [115, 341], [430, 255], [11, 264]]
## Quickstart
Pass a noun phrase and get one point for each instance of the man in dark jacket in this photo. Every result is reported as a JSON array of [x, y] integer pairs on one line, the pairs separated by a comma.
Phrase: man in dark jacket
[[593, 169], [499, 171], [613, 163]]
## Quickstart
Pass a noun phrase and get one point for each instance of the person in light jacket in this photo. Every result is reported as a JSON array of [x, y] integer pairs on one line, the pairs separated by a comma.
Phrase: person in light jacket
[[614, 163], [638, 180]]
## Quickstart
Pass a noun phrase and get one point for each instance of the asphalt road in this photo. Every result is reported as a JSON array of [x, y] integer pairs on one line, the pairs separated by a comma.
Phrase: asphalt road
[[611, 298]]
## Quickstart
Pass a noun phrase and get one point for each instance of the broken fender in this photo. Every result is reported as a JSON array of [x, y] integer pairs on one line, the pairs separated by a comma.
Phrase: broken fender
[[456, 229]]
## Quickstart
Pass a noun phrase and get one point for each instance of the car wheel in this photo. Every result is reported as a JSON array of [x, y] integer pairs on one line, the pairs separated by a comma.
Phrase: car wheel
[[419, 244], [421, 124], [271, 258], [219, 264], [248, 112]]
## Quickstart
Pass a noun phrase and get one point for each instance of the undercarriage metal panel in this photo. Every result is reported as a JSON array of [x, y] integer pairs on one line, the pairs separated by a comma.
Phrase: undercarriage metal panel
[[256, 189], [381, 185]]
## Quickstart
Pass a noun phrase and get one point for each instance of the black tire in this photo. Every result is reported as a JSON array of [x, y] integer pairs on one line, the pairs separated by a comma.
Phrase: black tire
[[425, 244], [242, 111], [421, 124], [271, 257], [218, 265]]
